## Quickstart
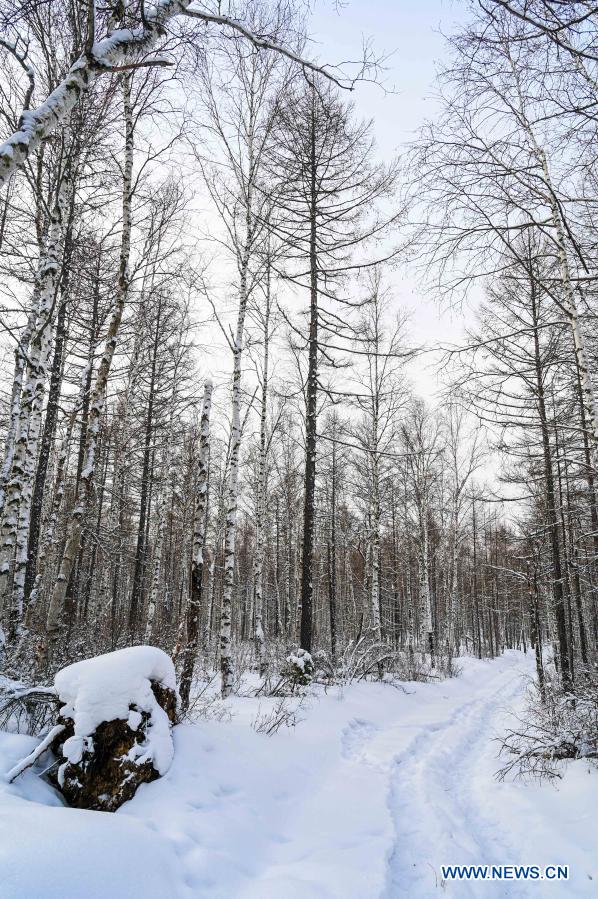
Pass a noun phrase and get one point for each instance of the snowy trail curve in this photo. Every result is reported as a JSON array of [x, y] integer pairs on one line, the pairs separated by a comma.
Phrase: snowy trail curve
[[437, 817], [365, 799]]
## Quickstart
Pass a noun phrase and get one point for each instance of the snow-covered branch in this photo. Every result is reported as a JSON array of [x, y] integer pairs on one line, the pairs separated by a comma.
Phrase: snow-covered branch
[[123, 48], [39, 750]]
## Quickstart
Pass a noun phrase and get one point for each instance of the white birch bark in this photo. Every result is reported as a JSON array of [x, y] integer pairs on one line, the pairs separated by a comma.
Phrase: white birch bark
[[21, 353], [157, 567], [161, 505], [167, 476], [121, 48], [211, 591], [17, 509], [74, 527], [453, 595], [260, 518], [37, 378], [232, 498], [49, 529], [425, 599], [410, 617], [50, 525]]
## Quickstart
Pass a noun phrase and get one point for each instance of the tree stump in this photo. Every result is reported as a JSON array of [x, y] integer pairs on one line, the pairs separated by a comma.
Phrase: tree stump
[[118, 714]]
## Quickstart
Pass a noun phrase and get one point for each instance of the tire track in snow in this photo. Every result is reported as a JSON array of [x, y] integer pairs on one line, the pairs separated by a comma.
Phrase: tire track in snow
[[436, 818]]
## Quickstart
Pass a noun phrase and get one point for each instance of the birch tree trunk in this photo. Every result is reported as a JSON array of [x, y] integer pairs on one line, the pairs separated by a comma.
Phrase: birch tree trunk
[[21, 353], [453, 593], [47, 439], [73, 534], [161, 505], [39, 359], [50, 524], [211, 594], [121, 48], [260, 518], [17, 510], [425, 598], [230, 526]]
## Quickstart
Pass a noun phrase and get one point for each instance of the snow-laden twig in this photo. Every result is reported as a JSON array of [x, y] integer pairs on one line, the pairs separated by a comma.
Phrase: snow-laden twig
[[28, 711], [32, 758]]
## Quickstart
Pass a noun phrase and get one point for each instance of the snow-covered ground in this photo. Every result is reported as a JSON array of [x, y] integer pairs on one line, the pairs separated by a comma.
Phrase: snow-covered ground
[[367, 797]]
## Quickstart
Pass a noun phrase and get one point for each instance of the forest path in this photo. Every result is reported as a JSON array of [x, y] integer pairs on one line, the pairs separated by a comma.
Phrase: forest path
[[414, 788], [373, 790], [437, 812], [368, 796]]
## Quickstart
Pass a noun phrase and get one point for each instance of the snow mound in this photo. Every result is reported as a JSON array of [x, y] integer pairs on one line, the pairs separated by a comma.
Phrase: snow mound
[[118, 685]]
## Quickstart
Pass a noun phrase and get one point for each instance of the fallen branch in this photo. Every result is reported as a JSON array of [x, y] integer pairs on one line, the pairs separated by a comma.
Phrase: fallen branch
[[32, 758], [35, 706]]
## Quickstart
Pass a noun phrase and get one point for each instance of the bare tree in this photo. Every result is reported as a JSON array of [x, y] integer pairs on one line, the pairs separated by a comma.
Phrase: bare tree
[[330, 188]]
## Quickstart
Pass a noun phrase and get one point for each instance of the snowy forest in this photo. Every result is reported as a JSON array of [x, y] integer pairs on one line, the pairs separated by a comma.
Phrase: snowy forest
[[237, 529]]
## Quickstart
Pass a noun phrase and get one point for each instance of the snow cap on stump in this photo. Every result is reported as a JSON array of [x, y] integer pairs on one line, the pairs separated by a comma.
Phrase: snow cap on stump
[[118, 712]]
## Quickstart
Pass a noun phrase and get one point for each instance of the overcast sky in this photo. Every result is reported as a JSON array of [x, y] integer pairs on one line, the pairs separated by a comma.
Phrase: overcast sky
[[412, 32]]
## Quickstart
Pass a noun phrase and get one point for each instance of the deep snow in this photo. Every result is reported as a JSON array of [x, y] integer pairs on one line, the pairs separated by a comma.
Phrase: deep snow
[[366, 797]]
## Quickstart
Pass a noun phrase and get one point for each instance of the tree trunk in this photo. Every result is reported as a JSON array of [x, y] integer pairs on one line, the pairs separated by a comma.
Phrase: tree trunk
[[311, 418], [73, 534], [551, 508], [17, 510], [199, 539], [140, 552]]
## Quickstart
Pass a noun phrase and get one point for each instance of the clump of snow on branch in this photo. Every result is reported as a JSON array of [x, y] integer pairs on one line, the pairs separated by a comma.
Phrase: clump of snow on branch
[[299, 667]]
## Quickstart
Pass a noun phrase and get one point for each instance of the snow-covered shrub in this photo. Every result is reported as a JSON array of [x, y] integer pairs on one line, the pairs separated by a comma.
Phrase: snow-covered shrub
[[285, 713], [407, 665], [116, 719], [242, 659], [324, 668], [28, 710], [554, 728], [365, 657], [205, 703], [368, 658], [299, 668]]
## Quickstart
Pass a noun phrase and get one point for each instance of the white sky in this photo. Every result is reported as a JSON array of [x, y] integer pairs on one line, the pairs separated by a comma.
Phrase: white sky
[[412, 31], [410, 35]]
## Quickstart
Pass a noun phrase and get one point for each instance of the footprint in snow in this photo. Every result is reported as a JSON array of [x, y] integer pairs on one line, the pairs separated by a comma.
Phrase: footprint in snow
[[224, 790], [355, 736]]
